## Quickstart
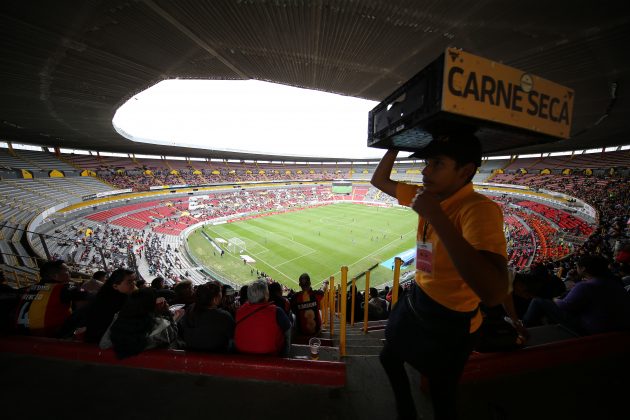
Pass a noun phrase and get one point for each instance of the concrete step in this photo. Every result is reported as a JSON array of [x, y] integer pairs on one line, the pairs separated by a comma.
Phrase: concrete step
[[363, 344], [353, 329], [372, 350], [299, 351], [373, 344], [371, 335], [359, 323]]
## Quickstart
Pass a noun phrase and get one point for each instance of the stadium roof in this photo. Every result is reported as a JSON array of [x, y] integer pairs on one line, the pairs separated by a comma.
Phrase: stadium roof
[[67, 66]]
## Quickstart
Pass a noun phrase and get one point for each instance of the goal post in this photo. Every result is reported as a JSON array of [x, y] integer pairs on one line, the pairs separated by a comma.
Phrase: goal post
[[236, 245]]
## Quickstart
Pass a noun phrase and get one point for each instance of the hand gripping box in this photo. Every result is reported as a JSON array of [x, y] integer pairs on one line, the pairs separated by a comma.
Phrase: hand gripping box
[[506, 107]]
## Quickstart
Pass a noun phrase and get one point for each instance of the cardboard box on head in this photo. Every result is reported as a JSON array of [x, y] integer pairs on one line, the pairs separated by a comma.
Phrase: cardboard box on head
[[459, 91]]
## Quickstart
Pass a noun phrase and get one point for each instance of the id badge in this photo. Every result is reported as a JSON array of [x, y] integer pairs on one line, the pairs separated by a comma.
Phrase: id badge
[[424, 257]]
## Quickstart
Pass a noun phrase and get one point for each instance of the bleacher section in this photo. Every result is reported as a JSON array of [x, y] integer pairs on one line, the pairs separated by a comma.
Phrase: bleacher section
[[22, 199], [487, 166], [532, 236], [359, 193], [204, 171], [579, 162], [172, 217], [538, 232], [117, 211], [89, 162], [563, 219], [480, 177], [167, 218], [521, 242], [9, 161], [42, 160], [168, 172], [37, 194]]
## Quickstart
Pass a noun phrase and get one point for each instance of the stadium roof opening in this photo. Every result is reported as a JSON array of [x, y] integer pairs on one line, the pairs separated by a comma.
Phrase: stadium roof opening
[[248, 116]]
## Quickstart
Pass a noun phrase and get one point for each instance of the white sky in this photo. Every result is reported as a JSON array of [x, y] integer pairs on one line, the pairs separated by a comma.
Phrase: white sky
[[248, 116]]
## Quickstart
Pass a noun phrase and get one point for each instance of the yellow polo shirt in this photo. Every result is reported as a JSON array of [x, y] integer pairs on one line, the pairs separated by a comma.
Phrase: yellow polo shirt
[[480, 221]]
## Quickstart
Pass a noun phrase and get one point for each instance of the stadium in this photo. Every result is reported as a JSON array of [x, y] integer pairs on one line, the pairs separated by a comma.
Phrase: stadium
[[78, 189]]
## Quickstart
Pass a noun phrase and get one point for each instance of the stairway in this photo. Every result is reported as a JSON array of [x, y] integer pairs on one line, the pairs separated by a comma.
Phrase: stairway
[[369, 394], [358, 343]]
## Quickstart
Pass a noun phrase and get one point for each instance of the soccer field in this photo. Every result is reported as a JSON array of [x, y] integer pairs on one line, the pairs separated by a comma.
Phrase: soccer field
[[317, 240]]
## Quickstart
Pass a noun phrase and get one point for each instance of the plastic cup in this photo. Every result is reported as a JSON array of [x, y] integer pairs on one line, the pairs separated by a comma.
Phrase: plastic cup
[[314, 344]]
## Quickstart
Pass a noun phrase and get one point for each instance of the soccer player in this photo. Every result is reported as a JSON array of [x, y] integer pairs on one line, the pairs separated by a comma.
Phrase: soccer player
[[461, 260]]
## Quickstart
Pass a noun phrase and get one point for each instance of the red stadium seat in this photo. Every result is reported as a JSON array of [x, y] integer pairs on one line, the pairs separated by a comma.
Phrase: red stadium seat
[[265, 368]]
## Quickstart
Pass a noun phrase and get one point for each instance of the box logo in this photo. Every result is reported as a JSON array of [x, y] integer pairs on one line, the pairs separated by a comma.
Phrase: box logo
[[481, 88]]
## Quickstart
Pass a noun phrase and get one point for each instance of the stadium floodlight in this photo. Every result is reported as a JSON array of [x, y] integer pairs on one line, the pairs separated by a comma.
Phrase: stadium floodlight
[[236, 245]]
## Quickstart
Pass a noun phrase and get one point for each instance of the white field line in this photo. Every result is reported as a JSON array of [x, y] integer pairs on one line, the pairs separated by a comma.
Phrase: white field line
[[297, 243], [265, 262], [296, 258], [284, 274], [341, 224], [367, 256], [251, 240], [321, 220], [257, 255], [270, 233]]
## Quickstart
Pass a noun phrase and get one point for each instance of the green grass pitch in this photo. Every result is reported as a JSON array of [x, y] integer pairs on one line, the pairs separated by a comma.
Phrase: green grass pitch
[[317, 240]]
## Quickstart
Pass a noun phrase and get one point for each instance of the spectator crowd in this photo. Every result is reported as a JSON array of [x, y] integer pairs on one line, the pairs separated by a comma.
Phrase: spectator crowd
[[583, 290]]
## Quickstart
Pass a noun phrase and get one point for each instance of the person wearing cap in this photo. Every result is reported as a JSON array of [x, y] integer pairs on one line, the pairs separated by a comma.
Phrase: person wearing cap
[[461, 260]]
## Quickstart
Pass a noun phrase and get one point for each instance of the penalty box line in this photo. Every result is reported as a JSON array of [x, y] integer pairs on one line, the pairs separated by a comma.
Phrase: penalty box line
[[280, 237], [296, 258], [257, 255], [265, 249], [281, 272]]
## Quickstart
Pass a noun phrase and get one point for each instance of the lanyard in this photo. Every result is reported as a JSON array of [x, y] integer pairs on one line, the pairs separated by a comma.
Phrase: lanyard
[[424, 231]]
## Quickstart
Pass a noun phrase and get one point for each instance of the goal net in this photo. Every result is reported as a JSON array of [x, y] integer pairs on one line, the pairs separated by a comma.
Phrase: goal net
[[236, 245]]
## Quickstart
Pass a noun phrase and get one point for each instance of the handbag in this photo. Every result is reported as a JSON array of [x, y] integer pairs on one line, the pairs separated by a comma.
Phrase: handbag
[[496, 335]]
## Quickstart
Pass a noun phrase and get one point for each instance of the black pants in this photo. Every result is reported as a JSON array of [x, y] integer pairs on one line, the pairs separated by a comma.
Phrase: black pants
[[434, 340]]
